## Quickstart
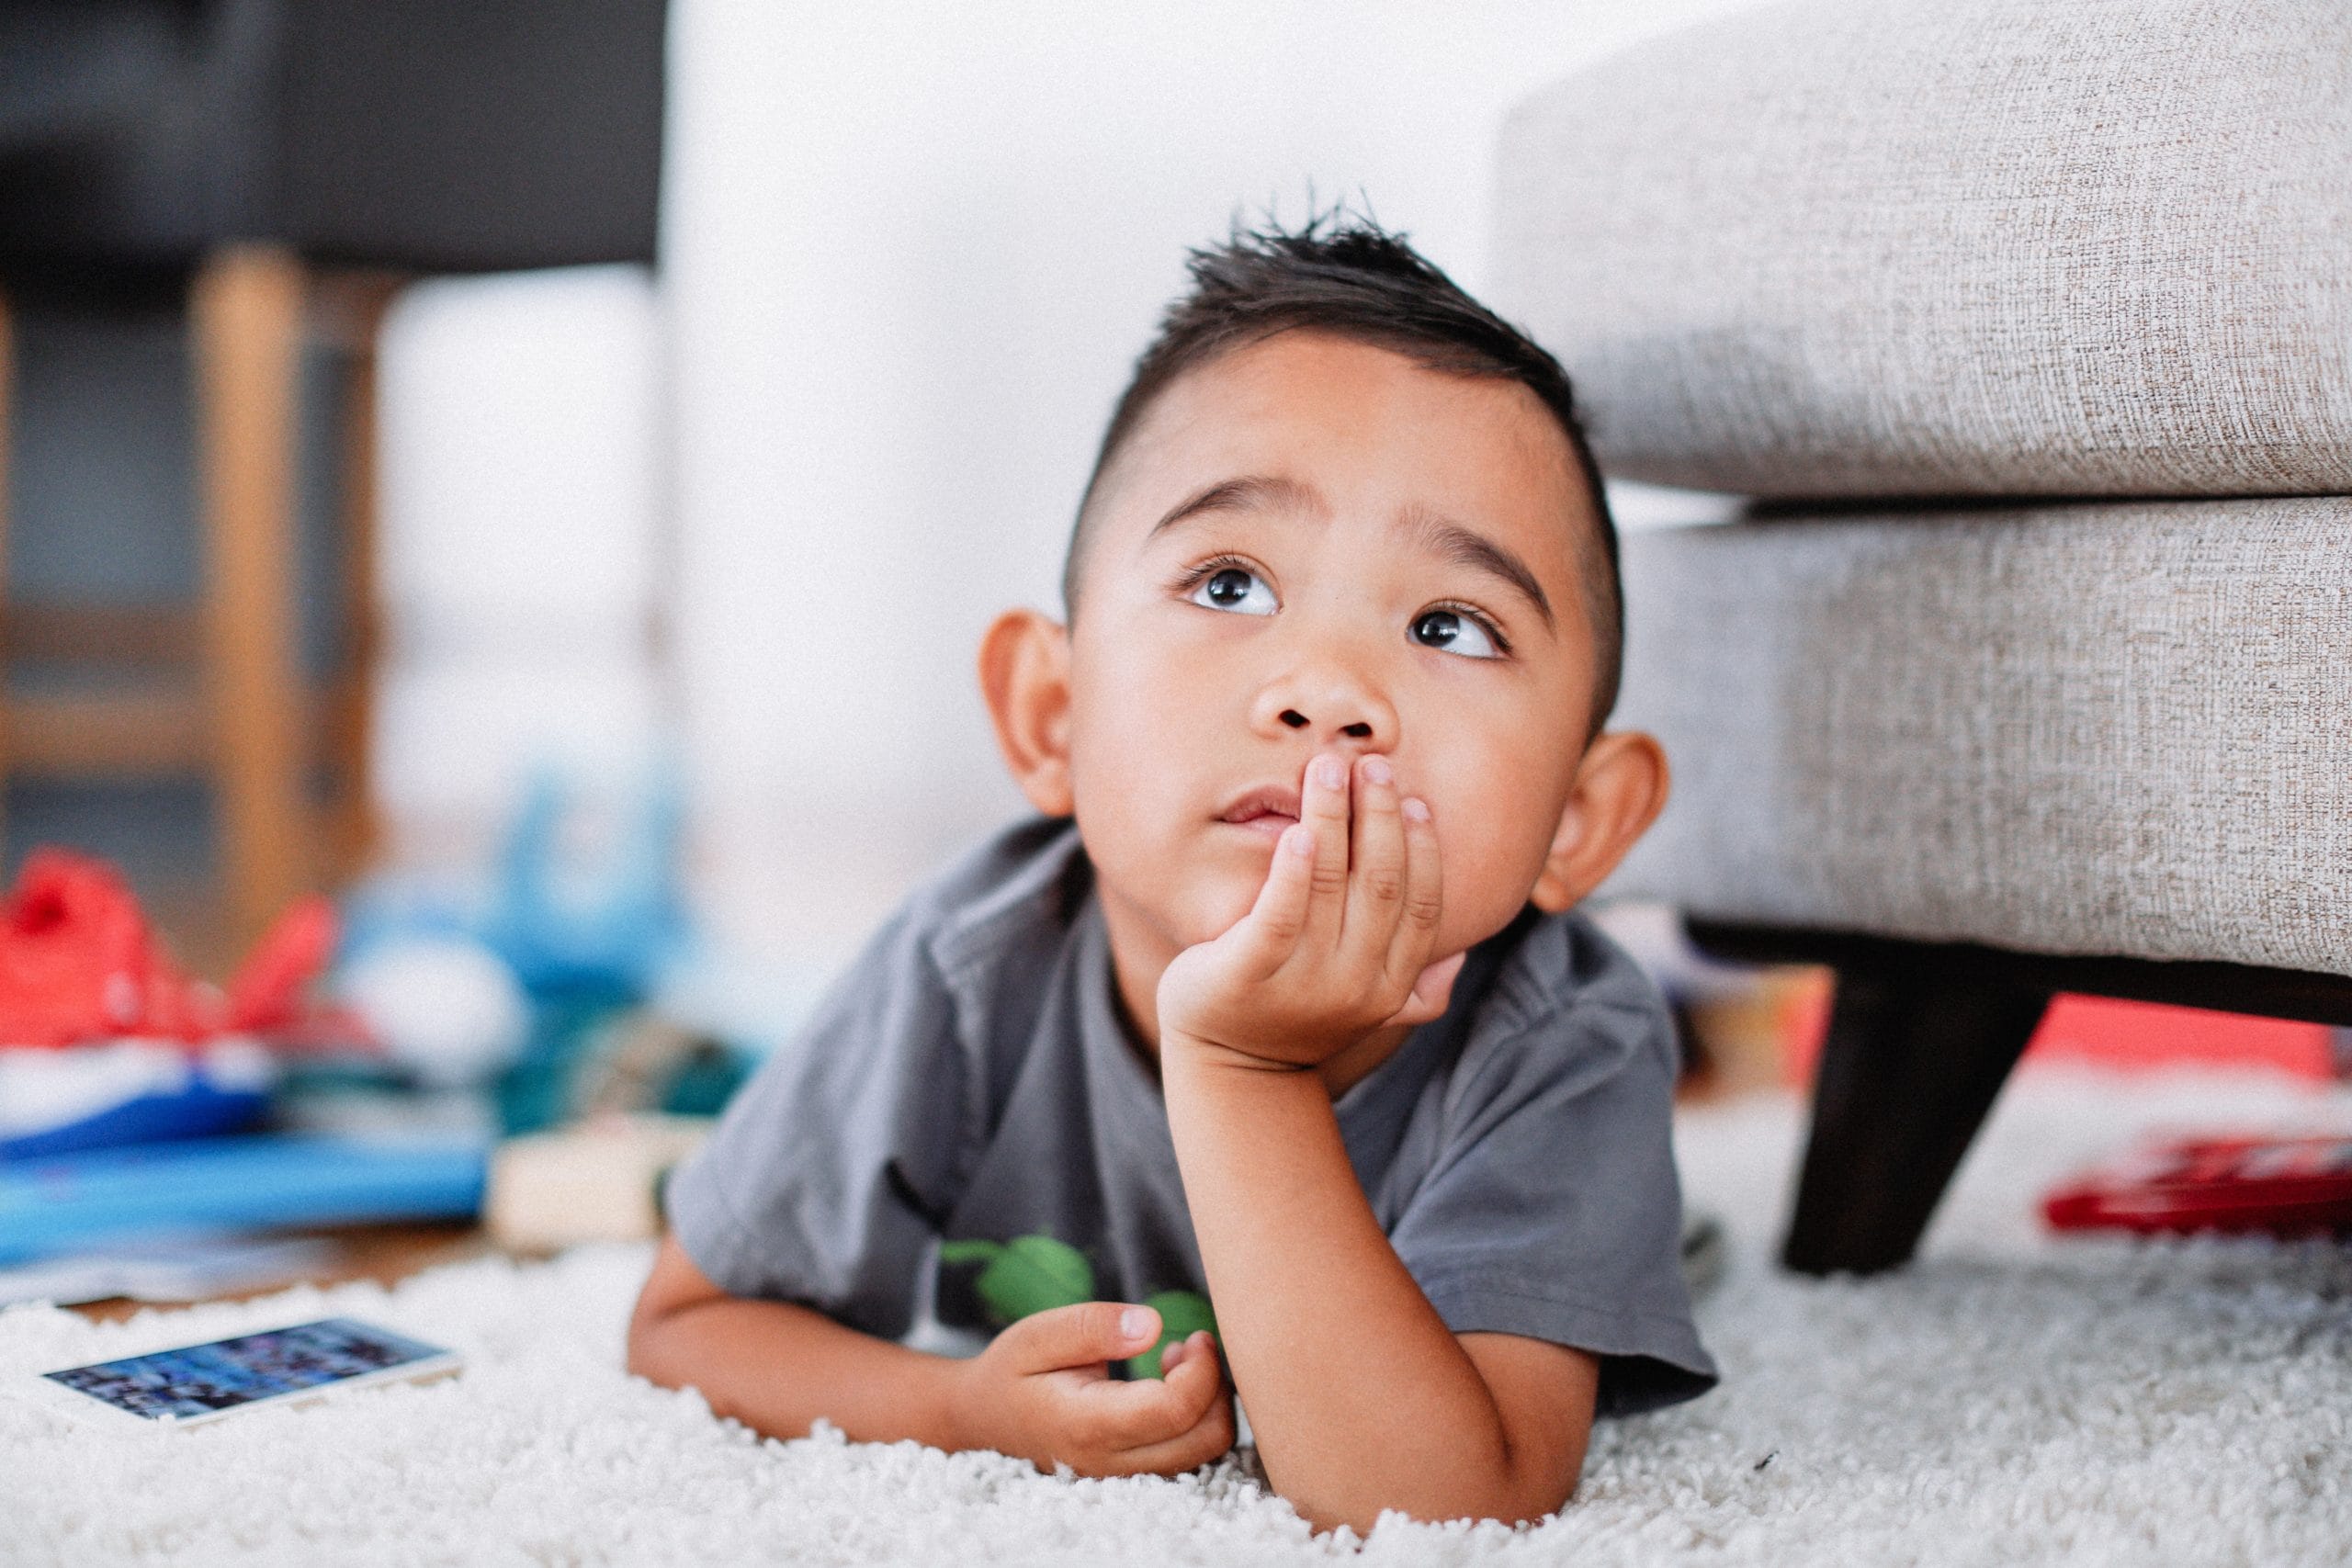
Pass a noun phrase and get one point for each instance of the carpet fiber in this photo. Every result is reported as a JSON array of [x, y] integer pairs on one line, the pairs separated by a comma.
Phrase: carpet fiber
[[2010, 1398]]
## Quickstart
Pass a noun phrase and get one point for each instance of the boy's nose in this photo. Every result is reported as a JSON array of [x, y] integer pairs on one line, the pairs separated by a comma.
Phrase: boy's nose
[[1329, 710]]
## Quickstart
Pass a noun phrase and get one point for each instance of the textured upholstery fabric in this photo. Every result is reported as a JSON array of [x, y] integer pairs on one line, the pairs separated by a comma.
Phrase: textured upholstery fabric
[[1953, 247], [2094, 728]]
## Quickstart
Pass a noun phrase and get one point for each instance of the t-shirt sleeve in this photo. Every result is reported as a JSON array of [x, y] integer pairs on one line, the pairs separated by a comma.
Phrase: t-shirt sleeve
[[1552, 1210], [820, 1181]]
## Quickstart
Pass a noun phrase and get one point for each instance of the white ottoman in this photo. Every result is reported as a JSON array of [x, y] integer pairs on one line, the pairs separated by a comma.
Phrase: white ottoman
[[2033, 324]]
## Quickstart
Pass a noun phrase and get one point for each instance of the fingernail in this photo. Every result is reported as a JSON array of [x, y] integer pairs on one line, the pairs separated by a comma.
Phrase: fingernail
[[1376, 771], [1299, 839], [1417, 809], [1134, 1322], [1331, 773]]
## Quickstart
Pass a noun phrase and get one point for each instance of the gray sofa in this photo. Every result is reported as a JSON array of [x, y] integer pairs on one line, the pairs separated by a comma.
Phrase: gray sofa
[[2028, 327]]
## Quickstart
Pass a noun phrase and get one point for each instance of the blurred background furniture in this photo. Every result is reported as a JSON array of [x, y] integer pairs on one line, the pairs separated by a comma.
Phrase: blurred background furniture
[[2029, 328], [268, 171]]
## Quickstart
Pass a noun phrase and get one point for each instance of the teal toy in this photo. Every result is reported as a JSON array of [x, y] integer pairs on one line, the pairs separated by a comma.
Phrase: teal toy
[[1182, 1314], [1028, 1274], [1036, 1273]]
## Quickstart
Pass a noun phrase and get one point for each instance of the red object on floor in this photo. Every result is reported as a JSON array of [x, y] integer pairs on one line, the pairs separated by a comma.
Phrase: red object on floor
[[2145, 1034], [2130, 1036], [78, 962], [2275, 1186], [268, 992]]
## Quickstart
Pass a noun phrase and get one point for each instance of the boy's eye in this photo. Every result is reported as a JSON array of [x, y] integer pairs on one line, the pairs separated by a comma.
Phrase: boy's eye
[[1456, 633], [1231, 587]]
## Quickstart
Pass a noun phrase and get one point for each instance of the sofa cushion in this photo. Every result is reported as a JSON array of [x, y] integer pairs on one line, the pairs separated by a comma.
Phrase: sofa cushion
[[2116, 728], [1984, 247]]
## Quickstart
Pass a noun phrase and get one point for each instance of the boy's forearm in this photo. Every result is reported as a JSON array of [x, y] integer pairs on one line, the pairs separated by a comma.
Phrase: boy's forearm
[[1359, 1395], [777, 1367]]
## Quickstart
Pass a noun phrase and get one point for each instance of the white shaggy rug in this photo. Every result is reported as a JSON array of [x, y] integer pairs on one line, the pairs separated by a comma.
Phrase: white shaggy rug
[[2010, 1398]]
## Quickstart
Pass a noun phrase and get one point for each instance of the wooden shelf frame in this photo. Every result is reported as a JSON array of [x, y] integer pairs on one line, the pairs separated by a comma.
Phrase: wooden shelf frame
[[218, 689]]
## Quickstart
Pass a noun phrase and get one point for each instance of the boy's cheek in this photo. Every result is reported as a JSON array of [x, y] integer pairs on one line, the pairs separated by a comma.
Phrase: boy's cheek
[[1217, 901], [1201, 897], [1487, 883], [1137, 850], [1191, 893]]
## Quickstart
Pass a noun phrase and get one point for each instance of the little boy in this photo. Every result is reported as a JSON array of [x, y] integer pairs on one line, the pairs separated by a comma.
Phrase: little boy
[[1280, 999]]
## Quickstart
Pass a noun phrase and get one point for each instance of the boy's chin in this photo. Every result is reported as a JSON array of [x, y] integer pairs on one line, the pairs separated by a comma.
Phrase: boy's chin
[[1211, 907]]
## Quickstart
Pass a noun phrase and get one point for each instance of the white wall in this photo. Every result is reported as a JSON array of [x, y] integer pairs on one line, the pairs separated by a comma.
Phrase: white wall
[[910, 251], [914, 248], [521, 485]]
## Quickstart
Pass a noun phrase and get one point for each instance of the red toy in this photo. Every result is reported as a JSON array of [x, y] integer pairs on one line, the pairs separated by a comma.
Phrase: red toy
[[78, 963], [2274, 1186]]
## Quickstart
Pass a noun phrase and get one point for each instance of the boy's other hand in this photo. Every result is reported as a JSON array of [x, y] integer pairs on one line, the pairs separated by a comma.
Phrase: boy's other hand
[[1336, 944], [1042, 1391]]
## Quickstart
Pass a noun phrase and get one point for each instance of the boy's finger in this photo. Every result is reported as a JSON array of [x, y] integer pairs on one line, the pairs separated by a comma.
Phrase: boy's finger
[[1432, 991], [1376, 869], [1080, 1335], [1196, 1377], [1423, 899], [1323, 805], [1109, 1416], [1207, 1439], [1118, 1416], [1279, 915]]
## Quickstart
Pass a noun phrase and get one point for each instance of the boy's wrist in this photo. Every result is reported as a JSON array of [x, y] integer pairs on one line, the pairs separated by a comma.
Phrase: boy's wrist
[[1195, 1054], [1226, 1082], [956, 1417]]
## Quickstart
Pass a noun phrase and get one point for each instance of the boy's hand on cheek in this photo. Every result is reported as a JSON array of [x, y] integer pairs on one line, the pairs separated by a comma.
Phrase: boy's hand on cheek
[[1336, 944], [1042, 1391]]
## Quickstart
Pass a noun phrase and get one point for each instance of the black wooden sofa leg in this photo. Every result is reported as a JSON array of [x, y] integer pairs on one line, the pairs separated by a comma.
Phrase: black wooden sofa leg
[[1913, 1057], [1920, 1038]]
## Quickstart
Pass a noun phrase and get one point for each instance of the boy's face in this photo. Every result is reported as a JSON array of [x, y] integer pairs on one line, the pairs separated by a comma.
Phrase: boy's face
[[1314, 545]]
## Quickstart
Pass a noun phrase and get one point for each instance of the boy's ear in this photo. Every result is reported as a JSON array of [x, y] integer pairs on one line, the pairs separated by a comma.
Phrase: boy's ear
[[1024, 675], [1619, 789]]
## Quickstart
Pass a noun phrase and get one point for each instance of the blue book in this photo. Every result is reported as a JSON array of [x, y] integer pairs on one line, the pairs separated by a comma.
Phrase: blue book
[[61, 1202]]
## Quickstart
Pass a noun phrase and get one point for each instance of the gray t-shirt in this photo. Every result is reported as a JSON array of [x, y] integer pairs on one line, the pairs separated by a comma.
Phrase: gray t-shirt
[[972, 1076]]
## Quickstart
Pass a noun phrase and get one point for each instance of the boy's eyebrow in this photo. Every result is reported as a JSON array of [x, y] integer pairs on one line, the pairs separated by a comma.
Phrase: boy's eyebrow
[[1444, 537], [1242, 495], [1440, 535]]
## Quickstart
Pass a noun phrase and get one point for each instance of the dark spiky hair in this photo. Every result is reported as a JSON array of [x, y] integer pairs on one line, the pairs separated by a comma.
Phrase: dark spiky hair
[[1342, 274]]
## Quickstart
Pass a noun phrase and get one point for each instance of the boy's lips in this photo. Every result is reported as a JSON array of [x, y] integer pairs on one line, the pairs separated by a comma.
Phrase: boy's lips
[[1267, 810]]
